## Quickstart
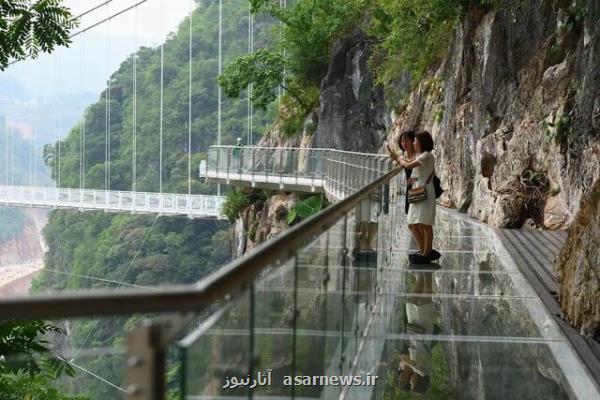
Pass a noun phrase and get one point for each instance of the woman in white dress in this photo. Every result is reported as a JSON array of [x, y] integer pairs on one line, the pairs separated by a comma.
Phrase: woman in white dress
[[421, 215]]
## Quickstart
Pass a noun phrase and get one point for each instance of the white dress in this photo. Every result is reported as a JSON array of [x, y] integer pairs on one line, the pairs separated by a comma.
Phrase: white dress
[[424, 211]]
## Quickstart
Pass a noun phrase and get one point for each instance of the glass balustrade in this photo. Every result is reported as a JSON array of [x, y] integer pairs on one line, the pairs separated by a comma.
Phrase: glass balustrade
[[343, 313]]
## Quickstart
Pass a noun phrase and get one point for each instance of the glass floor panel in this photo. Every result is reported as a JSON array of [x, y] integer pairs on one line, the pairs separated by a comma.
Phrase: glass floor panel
[[407, 367], [361, 280], [468, 326], [448, 315]]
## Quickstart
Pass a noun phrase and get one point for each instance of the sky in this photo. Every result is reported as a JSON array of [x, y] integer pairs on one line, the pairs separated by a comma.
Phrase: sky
[[85, 66]]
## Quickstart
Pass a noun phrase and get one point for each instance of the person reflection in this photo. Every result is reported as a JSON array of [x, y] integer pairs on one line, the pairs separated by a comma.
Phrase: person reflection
[[415, 362], [366, 232]]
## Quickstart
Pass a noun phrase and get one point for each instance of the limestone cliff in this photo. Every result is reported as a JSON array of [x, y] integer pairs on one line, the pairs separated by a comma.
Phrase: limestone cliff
[[352, 114], [578, 271], [514, 109], [515, 112], [261, 221]]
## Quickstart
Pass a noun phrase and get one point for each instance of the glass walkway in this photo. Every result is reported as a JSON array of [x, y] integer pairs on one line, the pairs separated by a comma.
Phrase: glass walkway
[[332, 309], [466, 327]]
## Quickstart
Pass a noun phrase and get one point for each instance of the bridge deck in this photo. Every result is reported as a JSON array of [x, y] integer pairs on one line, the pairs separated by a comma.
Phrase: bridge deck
[[193, 206], [269, 182], [535, 253]]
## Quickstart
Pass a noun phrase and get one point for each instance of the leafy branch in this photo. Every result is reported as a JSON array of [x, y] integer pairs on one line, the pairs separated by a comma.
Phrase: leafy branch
[[27, 29]]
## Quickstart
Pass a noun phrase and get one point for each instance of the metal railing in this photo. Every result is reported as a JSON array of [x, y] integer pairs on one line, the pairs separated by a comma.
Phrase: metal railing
[[112, 200], [338, 173]]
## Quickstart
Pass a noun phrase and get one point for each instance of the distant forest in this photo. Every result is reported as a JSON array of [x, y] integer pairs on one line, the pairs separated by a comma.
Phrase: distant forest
[[143, 250]]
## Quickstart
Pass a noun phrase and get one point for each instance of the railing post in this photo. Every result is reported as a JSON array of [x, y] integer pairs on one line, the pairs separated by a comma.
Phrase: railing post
[[338, 175], [312, 154], [145, 364], [253, 164], [266, 165], [363, 171], [281, 169], [372, 161], [240, 163], [217, 166], [228, 164], [333, 161], [297, 164]]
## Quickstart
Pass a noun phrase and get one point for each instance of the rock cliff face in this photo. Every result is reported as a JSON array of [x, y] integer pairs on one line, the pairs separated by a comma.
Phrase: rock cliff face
[[514, 109], [352, 114], [578, 270], [261, 221], [515, 112]]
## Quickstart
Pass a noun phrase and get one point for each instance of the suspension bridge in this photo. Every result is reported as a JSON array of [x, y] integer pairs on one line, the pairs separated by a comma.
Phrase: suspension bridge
[[84, 196]]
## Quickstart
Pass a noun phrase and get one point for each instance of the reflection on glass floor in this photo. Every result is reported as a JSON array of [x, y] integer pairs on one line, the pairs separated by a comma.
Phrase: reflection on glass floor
[[350, 304]]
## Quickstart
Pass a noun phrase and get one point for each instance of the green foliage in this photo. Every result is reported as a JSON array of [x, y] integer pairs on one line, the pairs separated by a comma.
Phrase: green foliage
[[28, 28], [414, 34], [263, 69], [559, 128], [576, 17], [238, 199], [175, 111], [23, 338], [294, 109], [305, 209], [441, 387], [309, 29], [28, 365], [411, 34], [20, 386]]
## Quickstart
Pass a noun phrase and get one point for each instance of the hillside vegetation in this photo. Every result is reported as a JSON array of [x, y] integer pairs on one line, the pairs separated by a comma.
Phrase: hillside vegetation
[[143, 250]]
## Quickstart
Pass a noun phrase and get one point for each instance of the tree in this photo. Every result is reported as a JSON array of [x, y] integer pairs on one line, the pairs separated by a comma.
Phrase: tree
[[308, 31], [263, 68], [28, 28], [28, 365]]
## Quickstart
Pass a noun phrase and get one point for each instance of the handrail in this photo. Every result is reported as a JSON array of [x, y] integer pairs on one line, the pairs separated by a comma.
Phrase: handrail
[[221, 284], [324, 149]]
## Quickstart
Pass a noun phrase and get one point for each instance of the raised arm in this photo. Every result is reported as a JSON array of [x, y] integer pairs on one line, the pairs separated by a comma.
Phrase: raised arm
[[409, 164]]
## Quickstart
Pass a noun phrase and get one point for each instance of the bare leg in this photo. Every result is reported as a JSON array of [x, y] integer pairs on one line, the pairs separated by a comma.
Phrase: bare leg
[[427, 231], [416, 232]]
